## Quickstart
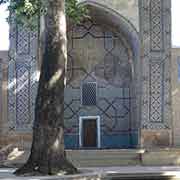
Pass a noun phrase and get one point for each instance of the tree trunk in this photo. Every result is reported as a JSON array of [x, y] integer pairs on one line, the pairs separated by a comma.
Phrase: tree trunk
[[47, 151]]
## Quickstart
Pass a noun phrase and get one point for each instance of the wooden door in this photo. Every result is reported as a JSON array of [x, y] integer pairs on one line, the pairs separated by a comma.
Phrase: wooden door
[[90, 133]]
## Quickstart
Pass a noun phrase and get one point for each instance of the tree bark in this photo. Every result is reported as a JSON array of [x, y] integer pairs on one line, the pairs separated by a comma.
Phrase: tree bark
[[47, 151]]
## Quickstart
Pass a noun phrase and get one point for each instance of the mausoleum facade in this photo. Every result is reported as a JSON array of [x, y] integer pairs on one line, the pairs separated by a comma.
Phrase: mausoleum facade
[[119, 85]]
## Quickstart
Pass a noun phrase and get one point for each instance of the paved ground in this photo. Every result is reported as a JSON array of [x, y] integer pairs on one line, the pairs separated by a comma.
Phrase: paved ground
[[135, 172]]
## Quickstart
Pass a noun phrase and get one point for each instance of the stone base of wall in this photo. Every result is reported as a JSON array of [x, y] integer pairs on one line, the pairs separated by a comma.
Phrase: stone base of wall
[[17, 140], [149, 139], [156, 138]]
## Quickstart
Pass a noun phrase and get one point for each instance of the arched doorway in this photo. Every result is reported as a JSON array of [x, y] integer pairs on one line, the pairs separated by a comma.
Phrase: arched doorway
[[102, 61]]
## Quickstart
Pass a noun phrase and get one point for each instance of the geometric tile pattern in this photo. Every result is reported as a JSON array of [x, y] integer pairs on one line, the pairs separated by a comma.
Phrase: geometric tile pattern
[[22, 96], [11, 95], [22, 41], [155, 28], [108, 66], [156, 25], [88, 94], [156, 92], [100, 57], [22, 78]]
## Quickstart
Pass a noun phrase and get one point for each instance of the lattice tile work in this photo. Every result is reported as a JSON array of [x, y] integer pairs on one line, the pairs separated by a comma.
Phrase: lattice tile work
[[22, 94], [155, 21], [22, 80], [22, 41], [156, 92], [156, 25], [89, 94], [104, 59]]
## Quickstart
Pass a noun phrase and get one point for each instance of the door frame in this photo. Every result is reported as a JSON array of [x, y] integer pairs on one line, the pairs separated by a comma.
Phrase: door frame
[[83, 118]]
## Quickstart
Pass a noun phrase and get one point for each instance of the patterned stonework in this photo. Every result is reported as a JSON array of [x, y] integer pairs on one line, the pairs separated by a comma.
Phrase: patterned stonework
[[102, 58], [156, 25], [155, 22], [22, 78], [99, 56], [156, 90], [108, 66], [22, 41]]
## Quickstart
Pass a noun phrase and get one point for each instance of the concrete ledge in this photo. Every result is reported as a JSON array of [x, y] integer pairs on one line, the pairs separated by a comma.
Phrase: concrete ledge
[[110, 173], [161, 157], [104, 158]]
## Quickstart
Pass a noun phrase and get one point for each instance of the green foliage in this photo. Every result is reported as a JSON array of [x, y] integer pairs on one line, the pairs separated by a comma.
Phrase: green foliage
[[75, 12], [27, 12], [24, 12]]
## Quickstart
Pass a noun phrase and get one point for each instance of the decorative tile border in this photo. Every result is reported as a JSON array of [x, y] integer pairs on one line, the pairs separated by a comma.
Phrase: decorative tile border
[[155, 22], [22, 78]]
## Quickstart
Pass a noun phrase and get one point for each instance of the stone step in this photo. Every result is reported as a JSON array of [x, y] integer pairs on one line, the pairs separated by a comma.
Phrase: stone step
[[84, 158], [104, 158], [109, 173], [161, 157]]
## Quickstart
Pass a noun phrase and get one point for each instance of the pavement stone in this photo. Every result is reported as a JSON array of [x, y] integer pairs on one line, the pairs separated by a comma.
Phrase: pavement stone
[[131, 172]]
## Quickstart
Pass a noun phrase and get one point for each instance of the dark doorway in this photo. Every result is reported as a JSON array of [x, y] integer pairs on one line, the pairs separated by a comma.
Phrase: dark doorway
[[89, 137]]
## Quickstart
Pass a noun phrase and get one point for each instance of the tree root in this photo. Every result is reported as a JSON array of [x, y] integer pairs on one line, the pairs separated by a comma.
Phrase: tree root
[[26, 170], [32, 169]]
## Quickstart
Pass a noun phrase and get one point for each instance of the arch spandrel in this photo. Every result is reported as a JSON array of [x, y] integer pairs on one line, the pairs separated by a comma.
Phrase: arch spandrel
[[127, 8], [105, 51]]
